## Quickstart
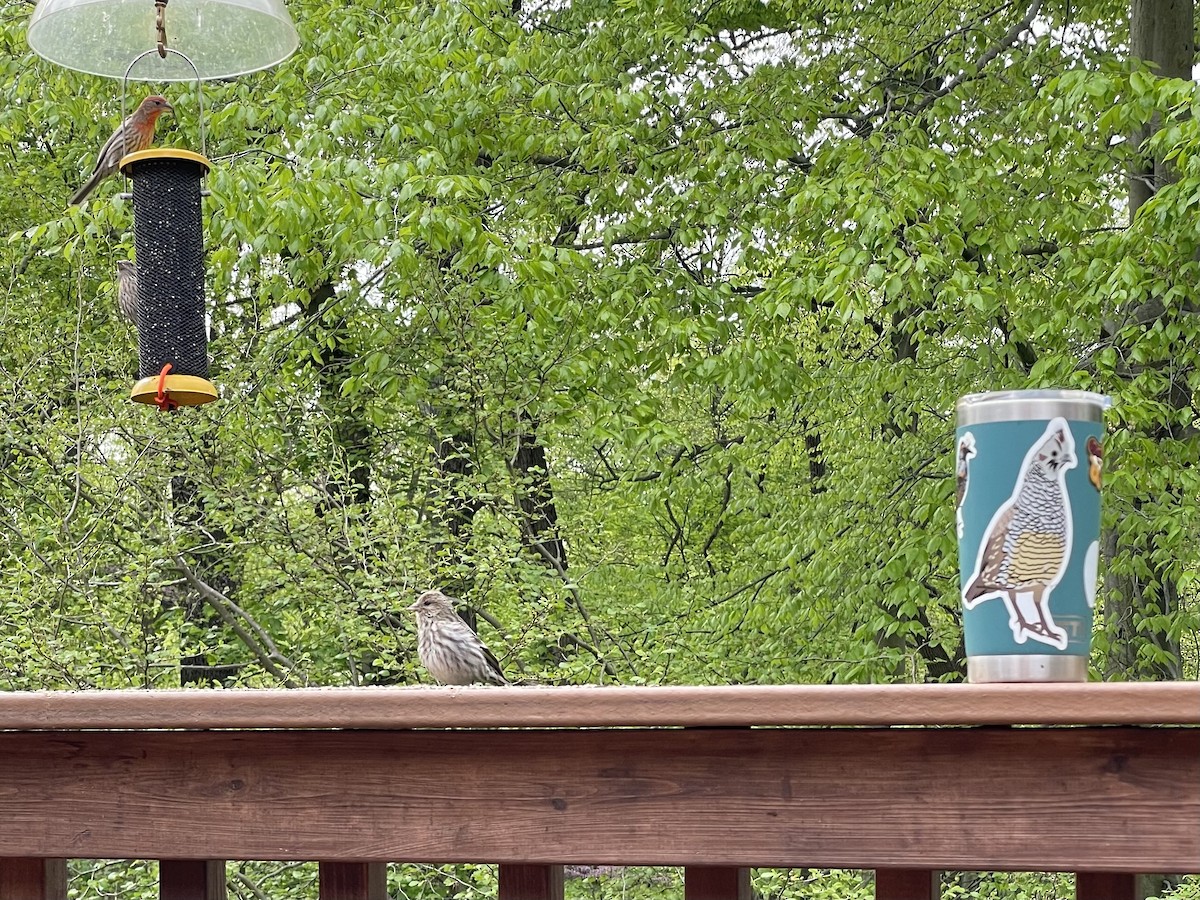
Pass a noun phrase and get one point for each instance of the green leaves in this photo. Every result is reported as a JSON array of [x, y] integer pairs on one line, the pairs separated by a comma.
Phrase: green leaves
[[736, 268]]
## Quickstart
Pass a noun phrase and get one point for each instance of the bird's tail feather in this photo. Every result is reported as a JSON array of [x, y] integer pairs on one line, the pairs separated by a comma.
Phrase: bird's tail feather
[[88, 187]]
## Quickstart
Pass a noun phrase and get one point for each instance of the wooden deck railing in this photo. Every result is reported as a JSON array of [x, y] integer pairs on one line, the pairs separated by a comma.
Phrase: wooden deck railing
[[905, 780]]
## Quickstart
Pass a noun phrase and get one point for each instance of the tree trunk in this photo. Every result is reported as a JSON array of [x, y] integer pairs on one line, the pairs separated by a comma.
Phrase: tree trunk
[[1162, 34], [535, 496], [349, 483], [940, 663], [210, 560]]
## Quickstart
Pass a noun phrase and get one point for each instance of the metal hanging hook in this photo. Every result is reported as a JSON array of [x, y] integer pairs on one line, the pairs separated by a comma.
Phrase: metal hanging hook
[[199, 83], [160, 26]]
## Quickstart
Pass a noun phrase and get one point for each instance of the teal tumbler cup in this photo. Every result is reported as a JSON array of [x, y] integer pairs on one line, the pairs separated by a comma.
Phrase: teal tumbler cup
[[1028, 517]]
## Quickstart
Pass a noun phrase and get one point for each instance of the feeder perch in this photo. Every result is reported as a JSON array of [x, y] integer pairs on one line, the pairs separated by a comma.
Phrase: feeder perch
[[169, 239], [224, 38]]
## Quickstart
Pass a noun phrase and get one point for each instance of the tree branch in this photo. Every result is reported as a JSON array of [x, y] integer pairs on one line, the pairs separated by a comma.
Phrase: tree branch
[[634, 239], [691, 454], [576, 599], [252, 635], [971, 72]]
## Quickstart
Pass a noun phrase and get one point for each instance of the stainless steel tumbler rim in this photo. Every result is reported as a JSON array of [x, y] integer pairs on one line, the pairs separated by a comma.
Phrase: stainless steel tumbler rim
[[1040, 404], [1026, 667]]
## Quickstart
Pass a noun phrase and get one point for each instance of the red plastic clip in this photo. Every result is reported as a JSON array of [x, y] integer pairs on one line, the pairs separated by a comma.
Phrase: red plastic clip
[[162, 399]]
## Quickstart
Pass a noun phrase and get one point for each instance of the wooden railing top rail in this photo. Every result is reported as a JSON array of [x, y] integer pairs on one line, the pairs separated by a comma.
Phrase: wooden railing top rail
[[1167, 703], [495, 774]]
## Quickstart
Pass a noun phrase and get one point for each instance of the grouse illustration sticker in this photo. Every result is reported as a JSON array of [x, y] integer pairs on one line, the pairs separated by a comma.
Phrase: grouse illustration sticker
[[1026, 546]]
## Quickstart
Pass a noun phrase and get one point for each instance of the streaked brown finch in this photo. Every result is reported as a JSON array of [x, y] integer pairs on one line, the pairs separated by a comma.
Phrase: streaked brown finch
[[449, 650]]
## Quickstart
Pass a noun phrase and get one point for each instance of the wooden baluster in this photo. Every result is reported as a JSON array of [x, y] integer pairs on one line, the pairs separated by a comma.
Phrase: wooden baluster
[[520, 882], [191, 879], [26, 878], [716, 883], [353, 881], [907, 884], [1106, 886]]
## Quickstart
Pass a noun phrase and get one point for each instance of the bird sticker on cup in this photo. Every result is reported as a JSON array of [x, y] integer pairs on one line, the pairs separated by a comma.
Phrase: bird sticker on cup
[[1028, 518], [1028, 541]]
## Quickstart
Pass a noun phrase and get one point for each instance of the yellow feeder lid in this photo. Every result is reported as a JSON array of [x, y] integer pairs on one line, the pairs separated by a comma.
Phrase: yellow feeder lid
[[163, 153], [181, 390]]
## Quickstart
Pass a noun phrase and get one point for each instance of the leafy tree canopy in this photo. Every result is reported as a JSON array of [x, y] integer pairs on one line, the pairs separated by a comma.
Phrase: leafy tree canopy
[[637, 325]]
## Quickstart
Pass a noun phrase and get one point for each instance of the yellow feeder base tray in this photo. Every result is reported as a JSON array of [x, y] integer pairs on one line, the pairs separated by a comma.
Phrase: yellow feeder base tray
[[184, 390]]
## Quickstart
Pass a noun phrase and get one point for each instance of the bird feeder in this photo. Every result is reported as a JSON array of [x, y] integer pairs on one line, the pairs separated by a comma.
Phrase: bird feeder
[[224, 38], [168, 236]]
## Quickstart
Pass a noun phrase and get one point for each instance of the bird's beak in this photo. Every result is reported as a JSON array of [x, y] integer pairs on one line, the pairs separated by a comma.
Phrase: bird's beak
[[413, 608], [167, 107]]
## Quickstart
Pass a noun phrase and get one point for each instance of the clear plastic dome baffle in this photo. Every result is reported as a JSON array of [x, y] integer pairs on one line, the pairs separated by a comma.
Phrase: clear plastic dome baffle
[[224, 38]]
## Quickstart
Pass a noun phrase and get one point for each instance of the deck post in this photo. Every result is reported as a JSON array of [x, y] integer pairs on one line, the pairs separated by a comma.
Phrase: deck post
[[353, 881], [29, 878], [191, 879], [521, 882], [716, 883], [1106, 886], [907, 884]]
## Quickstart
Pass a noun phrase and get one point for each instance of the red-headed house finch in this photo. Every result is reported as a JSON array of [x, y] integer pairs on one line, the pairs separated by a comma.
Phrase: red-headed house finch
[[127, 289], [449, 650], [136, 133]]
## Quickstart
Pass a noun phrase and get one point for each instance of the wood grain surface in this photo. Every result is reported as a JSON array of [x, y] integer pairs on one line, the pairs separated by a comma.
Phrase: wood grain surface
[[1096, 799], [1169, 703]]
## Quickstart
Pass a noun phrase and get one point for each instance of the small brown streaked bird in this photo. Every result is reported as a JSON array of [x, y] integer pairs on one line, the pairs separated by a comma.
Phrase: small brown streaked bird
[[127, 290], [134, 134], [449, 650]]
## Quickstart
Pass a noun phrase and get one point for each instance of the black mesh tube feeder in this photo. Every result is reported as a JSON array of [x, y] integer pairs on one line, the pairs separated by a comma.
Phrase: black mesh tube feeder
[[168, 236]]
